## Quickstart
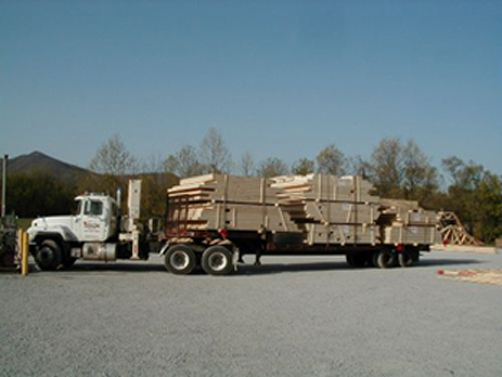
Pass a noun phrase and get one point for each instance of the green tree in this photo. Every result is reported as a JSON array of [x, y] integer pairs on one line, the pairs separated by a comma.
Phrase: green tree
[[303, 166], [39, 194], [475, 195], [488, 198]]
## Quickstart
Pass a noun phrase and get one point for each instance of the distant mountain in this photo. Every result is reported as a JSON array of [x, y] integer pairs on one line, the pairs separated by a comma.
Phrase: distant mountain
[[39, 162]]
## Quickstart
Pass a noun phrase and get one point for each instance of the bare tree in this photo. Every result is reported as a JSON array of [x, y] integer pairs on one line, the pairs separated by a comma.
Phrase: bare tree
[[214, 153], [271, 167], [303, 166], [331, 161], [153, 164], [419, 176], [386, 167], [110, 167], [357, 165], [247, 165], [185, 163], [113, 158]]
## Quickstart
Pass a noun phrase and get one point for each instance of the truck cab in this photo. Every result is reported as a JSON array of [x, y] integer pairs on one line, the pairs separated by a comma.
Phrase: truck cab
[[95, 219], [93, 232]]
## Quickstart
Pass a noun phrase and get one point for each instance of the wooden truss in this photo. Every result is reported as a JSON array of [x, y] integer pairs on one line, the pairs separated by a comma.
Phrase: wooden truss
[[453, 231]]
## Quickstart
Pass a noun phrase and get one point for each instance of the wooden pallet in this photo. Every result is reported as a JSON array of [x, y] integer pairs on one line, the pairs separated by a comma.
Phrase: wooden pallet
[[481, 276]]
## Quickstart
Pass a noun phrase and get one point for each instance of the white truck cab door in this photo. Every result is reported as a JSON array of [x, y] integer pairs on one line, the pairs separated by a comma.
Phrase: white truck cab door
[[92, 221]]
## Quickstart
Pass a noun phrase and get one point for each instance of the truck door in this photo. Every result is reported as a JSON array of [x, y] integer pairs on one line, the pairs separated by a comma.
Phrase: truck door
[[92, 221]]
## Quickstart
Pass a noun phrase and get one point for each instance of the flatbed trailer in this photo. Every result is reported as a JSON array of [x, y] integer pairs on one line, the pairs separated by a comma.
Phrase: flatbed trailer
[[219, 248], [218, 252]]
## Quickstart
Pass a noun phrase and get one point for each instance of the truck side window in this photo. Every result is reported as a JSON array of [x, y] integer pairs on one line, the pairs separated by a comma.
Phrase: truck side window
[[93, 208], [78, 208]]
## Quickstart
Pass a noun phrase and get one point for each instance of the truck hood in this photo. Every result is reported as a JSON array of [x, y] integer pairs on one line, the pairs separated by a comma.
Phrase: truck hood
[[43, 223]]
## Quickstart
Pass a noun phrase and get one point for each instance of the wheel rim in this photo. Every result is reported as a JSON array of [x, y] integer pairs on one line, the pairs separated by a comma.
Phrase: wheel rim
[[179, 260], [385, 259], [46, 255], [217, 261]]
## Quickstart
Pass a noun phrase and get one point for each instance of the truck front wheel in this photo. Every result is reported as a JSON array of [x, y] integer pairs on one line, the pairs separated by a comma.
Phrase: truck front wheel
[[180, 260], [48, 255], [217, 260]]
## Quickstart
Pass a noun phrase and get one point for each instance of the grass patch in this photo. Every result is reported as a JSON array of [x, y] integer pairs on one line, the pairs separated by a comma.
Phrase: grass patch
[[24, 223]]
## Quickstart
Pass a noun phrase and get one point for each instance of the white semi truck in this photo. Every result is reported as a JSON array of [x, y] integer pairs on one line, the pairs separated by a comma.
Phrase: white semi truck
[[213, 220], [96, 231]]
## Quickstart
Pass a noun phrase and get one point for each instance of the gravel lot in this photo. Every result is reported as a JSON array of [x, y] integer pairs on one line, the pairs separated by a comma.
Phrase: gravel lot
[[290, 317]]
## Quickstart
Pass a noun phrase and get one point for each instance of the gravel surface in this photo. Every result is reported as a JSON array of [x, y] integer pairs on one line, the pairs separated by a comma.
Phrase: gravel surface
[[290, 317]]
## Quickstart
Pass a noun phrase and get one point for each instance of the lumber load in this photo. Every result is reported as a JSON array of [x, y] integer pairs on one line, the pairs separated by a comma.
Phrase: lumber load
[[343, 234], [404, 222], [324, 187], [217, 201], [411, 234], [331, 209], [322, 208]]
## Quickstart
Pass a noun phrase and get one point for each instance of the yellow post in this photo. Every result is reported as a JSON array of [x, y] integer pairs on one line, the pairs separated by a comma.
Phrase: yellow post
[[20, 244], [24, 263], [24, 240]]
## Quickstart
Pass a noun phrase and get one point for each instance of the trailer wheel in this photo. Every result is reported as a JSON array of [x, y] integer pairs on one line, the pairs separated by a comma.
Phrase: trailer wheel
[[48, 255], [217, 260], [405, 258], [180, 260], [373, 259], [385, 258]]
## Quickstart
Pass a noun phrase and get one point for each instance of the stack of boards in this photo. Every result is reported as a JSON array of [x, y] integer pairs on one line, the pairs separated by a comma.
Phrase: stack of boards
[[407, 223], [216, 201], [331, 210], [325, 208]]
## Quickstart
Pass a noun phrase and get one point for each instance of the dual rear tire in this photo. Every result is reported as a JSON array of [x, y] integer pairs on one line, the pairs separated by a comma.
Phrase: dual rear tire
[[182, 260], [384, 258], [387, 257]]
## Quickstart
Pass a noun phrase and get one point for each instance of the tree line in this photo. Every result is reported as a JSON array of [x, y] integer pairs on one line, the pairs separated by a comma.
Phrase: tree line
[[397, 169]]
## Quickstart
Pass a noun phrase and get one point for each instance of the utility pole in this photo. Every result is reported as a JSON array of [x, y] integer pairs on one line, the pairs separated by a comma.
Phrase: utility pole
[[4, 184]]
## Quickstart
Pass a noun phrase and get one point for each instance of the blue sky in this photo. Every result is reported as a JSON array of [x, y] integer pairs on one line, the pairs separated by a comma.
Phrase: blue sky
[[276, 78]]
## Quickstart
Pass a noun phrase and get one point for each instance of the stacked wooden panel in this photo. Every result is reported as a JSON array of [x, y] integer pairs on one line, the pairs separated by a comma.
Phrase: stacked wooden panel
[[216, 201], [331, 210], [324, 208], [404, 222]]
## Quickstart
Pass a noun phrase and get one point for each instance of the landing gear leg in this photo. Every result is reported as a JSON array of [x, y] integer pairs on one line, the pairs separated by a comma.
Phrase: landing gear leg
[[257, 261]]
